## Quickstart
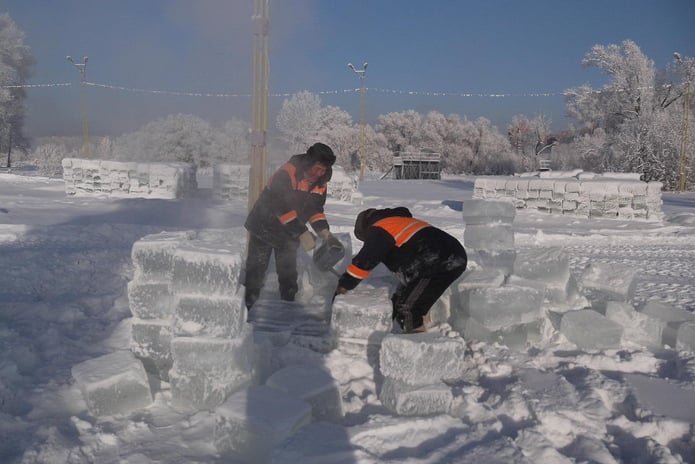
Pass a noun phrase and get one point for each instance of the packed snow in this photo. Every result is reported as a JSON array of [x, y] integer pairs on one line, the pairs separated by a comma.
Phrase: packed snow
[[595, 363]]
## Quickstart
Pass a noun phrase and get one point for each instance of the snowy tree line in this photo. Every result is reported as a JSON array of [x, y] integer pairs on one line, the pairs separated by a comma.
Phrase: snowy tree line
[[634, 123]]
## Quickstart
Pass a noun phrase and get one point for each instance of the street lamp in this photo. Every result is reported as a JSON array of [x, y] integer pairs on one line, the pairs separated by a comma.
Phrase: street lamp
[[361, 73], [82, 68]]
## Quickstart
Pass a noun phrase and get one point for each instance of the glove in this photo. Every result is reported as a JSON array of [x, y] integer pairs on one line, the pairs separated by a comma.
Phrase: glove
[[307, 241], [340, 290], [325, 234]]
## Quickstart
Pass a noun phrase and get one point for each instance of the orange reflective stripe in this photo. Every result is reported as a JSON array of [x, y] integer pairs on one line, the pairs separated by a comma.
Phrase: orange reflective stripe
[[356, 272], [291, 170], [303, 185], [317, 217], [319, 189], [287, 217], [408, 231], [401, 228]]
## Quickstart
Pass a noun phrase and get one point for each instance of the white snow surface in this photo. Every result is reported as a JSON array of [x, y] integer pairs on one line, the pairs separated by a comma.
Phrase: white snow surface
[[66, 263]]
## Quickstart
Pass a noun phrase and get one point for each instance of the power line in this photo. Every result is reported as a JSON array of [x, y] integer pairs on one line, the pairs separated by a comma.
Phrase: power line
[[329, 92], [25, 86], [289, 94]]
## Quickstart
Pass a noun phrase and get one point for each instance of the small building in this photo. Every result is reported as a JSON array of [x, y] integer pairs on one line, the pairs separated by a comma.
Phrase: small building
[[410, 165]]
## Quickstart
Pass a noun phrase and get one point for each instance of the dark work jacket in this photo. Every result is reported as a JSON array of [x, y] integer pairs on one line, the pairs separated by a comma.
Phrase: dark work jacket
[[288, 202], [409, 247]]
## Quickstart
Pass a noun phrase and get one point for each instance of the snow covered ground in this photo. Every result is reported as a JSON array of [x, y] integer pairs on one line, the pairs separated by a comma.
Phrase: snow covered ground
[[65, 264]]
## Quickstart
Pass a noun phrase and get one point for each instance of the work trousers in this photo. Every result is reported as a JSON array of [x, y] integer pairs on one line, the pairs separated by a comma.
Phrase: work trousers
[[257, 260], [413, 299]]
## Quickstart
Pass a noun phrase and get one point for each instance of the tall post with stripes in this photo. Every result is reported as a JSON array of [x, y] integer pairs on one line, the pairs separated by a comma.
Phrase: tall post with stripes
[[259, 101]]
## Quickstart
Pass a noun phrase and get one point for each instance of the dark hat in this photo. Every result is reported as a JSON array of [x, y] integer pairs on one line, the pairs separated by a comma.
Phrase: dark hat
[[362, 222], [321, 153]]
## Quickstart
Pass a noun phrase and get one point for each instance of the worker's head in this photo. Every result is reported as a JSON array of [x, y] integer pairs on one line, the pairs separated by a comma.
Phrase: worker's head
[[321, 158], [363, 221], [321, 153]]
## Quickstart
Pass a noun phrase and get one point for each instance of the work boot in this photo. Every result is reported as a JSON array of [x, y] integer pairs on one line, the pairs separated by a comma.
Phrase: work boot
[[426, 321]]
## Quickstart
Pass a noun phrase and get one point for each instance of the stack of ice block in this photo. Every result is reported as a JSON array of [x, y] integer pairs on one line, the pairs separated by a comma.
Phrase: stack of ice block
[[415, 367], [361, 319], [549, 267], [608, 195], [151, 300], [212, 346], [488, 236], [230, 181], [189, 325], [491, 311]]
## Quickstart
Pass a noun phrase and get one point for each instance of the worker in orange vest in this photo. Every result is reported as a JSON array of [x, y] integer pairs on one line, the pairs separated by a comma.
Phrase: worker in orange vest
[[277, 224], [425, 259]]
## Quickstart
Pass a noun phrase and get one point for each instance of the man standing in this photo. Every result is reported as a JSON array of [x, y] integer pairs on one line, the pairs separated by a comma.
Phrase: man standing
[[294, 195], [425, 259]]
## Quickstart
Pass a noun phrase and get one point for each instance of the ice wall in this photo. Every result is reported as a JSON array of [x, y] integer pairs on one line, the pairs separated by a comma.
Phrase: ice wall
[[232, 181], [128, 179], [577, 193]]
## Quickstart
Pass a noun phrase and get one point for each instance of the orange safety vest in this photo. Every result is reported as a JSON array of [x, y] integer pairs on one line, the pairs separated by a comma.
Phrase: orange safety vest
[[400, 228], [303, 185]]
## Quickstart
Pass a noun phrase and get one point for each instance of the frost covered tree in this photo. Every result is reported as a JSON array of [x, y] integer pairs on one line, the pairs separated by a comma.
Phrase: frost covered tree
[[231, 144], [451, 137], [492, 154], [303, 121], [635, 112], [299, 120], [16, 62], [336, 130], [48, 158], [527, 137], [184, 138], [178, 137], [465, 146], [401, 130]]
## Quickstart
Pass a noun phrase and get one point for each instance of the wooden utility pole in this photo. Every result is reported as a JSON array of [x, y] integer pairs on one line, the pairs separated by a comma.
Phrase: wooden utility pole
[[259, 101], [683, 162]]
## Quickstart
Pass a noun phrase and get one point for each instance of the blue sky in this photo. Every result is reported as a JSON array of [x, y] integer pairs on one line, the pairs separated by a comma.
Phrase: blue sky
[[452, 46]]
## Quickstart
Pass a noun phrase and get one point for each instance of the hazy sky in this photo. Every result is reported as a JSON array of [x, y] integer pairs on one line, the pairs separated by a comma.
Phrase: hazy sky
[[454, 46]]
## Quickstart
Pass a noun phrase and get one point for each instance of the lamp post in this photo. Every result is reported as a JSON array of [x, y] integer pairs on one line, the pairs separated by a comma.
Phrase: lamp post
[[361, 73], [82, 68], [683, 161]]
